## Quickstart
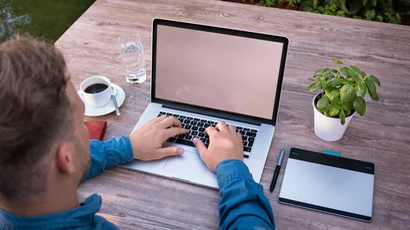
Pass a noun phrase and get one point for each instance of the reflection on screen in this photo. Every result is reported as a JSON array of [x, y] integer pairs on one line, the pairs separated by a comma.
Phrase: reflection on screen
[[223, 72]]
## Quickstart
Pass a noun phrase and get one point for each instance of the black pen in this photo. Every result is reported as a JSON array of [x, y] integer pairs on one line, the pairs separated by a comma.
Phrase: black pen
[[277, 170]]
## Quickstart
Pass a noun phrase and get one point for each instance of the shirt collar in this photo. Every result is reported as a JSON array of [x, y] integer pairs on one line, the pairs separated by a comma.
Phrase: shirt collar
[[75, 217]]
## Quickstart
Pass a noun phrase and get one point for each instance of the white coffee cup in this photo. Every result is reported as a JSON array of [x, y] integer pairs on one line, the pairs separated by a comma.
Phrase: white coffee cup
[[96, 90]]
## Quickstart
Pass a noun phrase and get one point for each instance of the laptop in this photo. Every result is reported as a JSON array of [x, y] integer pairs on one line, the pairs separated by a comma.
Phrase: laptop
[[203, 74]]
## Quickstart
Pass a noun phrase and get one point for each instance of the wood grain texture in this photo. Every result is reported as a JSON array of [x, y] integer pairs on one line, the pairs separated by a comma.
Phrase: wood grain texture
[[134, 200]]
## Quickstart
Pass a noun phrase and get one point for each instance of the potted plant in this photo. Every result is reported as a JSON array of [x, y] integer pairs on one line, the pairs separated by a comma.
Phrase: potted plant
[[342, 96]]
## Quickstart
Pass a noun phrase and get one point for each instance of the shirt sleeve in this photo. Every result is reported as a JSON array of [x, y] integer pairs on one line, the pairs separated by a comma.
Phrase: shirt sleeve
[[243, 204], [109, 153]]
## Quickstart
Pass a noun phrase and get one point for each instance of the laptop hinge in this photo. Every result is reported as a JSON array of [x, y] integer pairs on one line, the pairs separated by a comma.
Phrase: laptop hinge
[[219, 114]]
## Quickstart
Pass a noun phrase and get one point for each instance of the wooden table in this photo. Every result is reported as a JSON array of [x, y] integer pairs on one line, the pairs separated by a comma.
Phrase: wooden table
[[134, 200]]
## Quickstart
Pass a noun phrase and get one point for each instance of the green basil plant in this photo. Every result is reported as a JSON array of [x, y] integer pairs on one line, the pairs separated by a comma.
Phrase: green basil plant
[[343, 90]]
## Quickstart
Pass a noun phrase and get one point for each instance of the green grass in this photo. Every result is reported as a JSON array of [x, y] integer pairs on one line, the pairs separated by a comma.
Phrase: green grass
[[46, 19]]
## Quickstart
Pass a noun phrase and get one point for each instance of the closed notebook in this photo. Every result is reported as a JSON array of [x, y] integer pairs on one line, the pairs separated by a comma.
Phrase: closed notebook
[[96, 129]]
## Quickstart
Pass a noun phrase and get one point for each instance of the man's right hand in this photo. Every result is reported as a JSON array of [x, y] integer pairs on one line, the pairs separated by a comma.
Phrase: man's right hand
[[224, 143], [147, 141]]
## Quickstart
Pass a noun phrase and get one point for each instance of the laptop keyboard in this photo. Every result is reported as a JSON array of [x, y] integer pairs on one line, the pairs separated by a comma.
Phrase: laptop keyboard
[[197, 129]]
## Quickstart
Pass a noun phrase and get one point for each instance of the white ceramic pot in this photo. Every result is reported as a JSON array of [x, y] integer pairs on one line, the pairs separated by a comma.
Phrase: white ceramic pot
[[329, 128]]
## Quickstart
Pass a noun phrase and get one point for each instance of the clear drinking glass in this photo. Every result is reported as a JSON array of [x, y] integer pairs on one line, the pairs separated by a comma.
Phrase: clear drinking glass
[[132, 56]]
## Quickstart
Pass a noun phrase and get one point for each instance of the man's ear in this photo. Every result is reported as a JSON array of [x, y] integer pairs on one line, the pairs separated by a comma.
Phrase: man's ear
[[64, 159]]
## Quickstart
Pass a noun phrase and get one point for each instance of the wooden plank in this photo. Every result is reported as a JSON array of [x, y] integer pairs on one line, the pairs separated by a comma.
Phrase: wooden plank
[[134, 200]]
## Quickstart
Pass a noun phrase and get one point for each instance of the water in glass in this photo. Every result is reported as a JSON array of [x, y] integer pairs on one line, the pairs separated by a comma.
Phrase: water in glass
[[133, 58]]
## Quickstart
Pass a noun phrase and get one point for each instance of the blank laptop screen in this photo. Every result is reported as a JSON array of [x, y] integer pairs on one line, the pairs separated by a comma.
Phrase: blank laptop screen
[[218, 71]]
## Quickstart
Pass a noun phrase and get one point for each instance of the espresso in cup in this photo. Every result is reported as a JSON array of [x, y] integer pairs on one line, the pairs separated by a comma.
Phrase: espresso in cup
[[96, 91], [96, 88]]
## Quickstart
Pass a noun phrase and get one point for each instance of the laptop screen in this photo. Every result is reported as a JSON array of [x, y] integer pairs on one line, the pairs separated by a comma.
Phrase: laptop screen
[[212, 69]]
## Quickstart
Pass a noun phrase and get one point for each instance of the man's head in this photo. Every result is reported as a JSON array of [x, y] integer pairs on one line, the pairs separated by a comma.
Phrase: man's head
[[42, 135]]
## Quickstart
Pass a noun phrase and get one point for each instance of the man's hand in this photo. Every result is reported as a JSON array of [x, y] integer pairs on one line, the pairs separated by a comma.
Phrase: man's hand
[[224, 143], [147, 141]]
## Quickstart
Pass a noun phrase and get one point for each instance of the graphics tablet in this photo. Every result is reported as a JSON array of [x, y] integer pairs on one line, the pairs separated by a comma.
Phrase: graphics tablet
[[330, 184]]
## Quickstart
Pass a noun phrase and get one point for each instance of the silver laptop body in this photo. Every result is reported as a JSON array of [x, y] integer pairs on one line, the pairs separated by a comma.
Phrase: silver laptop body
[[208, 74]]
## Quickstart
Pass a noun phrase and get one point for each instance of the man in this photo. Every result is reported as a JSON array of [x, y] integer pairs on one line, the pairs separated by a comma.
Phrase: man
[[45, 150]]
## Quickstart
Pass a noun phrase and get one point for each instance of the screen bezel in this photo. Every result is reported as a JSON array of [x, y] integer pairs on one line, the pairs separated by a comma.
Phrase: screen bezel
[[334, 161], [210, 111]]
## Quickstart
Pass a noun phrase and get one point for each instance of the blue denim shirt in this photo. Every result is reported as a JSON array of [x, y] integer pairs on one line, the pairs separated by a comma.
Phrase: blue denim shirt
[[242, 206]]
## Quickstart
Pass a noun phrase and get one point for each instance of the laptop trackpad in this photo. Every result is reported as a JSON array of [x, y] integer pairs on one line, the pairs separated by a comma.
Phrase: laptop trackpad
[[187, 164]]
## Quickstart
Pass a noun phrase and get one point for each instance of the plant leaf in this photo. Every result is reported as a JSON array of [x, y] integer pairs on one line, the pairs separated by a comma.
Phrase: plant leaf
[[315, 87], [329, 90], [362, 88], [323, 84], [370, 14], [347, 93], [311, 85], [336, 82], [334, 111], [345, 71], [375, 80], [315, 3], [337, 61], [322, 104], [329, 76], [371, 88], [357, 70], [359, 105], [354, 75], [342, 117], [333, 95], [347, 107], [317, 72]]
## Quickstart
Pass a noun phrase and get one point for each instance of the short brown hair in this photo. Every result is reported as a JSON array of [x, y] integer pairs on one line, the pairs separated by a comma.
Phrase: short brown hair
[[35, 114]]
